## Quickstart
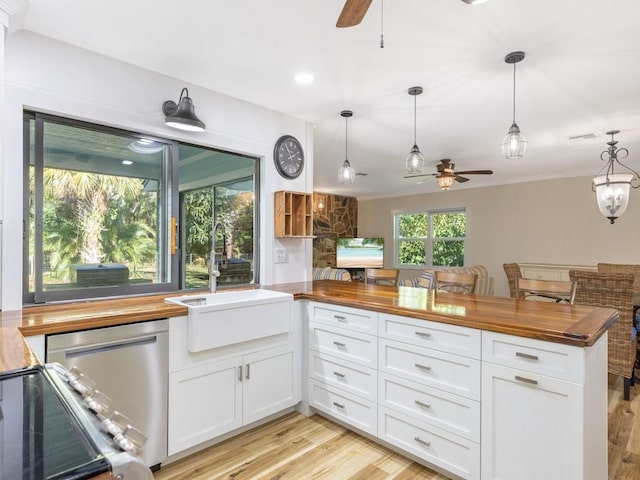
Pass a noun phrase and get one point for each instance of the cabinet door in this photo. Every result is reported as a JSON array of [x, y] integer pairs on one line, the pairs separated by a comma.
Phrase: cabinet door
[[271, 383], [531, 426], [204, 402]]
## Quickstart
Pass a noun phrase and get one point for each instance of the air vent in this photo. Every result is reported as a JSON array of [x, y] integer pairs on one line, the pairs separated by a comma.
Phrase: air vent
[[584, 136]]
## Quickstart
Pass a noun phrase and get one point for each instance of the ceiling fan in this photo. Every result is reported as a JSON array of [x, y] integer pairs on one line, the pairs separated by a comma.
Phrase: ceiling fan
[[354, 11], [447, 174]]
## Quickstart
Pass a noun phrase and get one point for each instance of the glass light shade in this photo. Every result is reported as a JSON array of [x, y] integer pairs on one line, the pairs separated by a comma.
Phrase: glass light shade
[[346, 174], [612, 194], [445, 181], [514, 143], [415, 161]]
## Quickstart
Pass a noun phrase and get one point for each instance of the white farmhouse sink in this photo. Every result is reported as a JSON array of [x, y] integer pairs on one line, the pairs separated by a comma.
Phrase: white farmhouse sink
[[219, 319]]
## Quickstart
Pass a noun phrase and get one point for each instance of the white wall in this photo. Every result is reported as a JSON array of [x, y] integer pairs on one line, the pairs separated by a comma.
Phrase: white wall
[[50, 76], [555, 221]]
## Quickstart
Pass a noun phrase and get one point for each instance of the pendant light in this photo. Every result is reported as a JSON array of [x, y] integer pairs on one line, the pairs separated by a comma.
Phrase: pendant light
[[415, 159], [612, 190], [346, 174], [514, 143]]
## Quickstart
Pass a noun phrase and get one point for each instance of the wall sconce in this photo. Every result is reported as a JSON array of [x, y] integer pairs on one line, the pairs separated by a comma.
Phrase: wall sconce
[[612, 190], [320, 203], [182, 115]]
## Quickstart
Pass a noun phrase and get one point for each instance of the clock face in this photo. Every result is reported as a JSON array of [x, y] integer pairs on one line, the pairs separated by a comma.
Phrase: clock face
[[288, 157]]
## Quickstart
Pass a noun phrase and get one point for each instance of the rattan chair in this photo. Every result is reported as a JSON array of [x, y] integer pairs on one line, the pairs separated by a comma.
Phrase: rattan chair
[[513, 271], [456, 282], [559, 291], [612, 290], [381, 276]]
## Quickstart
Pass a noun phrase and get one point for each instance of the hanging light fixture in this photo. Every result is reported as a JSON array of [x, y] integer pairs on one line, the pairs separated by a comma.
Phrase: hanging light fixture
[[415, 159], [612, 189], [346, 174], [445, 180], [514, 143], [182, 115]]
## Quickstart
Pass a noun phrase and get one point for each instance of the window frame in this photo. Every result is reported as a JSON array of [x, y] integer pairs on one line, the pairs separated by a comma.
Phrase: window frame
[[429, 240]]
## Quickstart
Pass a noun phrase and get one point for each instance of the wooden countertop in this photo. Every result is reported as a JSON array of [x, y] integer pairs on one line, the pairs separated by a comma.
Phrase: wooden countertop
[[570, 324]]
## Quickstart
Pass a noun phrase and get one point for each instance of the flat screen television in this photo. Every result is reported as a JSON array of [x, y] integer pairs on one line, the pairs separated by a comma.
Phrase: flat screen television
[[359, 252]]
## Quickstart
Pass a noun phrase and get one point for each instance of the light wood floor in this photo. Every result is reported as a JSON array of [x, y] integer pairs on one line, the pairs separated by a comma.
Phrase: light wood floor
[[298, 448]]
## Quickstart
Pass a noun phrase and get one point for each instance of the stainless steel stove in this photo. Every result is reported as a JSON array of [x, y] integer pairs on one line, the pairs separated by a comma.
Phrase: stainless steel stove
[[55, 424]]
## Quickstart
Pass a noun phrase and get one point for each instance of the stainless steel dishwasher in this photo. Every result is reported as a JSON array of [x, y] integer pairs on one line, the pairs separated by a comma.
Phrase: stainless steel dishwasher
[[129, 363]]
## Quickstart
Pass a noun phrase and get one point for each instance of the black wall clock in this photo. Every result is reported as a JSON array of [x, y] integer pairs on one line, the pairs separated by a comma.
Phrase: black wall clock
[[288, 156]]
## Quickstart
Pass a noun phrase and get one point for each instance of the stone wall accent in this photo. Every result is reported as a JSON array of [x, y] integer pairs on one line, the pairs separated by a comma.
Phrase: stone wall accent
[[334, 216]]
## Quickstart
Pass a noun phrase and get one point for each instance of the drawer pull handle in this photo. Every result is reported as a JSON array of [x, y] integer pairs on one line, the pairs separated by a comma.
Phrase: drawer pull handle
[[422, 404], [528, 356], [526, 380], [423, 442], [423, 367], [248, 375], [423, 334], [340, 318], [339, 405], [240, 373], [338, 374], [339, 344]]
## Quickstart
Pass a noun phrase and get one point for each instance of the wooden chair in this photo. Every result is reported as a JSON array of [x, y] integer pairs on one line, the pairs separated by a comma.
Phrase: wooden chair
[[513, 271], [456, 282], [612, 290], [559, 291], [381, 276]]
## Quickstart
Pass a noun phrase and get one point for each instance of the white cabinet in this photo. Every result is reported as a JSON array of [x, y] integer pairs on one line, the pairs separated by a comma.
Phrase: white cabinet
[[342, 365], [216, 391], [543, 409], [205, 402]]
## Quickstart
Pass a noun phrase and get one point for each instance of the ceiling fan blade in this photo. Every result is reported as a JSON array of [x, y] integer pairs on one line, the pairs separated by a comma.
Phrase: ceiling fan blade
[[352, 13], [475, 172], [421, 175], [460, 179]]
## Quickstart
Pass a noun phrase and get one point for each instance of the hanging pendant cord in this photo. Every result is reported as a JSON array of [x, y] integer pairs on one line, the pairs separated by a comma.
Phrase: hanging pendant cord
[[381, 23], [415, 135], [346, 138], [514, 93]]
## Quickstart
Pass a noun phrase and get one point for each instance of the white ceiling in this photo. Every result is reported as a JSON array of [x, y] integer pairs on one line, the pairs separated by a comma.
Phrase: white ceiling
[[581, 75]]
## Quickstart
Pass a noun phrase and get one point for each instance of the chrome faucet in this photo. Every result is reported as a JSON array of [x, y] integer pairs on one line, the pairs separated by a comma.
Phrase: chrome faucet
[[214, 273]]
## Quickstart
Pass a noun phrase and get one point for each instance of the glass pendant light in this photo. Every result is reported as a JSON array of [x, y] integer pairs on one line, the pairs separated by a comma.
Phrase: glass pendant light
[[346, 174], [415, 159], [612, 190], [514, 143]]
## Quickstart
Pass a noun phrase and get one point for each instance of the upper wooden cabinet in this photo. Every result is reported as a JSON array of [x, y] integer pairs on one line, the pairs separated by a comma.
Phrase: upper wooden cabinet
[[293, 214]]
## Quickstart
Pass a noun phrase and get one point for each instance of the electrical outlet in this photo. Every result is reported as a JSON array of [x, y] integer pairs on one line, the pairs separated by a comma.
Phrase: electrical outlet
[[281, 255]]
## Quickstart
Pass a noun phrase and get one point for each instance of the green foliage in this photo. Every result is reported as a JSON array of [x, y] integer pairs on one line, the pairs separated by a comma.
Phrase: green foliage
[[447, 228]]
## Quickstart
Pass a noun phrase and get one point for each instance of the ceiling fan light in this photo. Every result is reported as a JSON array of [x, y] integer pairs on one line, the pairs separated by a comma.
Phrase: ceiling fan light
[[346, 173], [415, 161], [612, 194], [514, 144], [445, 181]]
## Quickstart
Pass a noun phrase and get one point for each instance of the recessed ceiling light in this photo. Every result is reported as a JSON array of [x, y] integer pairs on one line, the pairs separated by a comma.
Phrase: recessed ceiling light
[[583, 136], [127, 162], [303, 78]]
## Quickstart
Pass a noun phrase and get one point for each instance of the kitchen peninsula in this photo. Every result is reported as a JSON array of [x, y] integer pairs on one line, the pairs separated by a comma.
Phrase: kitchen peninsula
[[532, 374]]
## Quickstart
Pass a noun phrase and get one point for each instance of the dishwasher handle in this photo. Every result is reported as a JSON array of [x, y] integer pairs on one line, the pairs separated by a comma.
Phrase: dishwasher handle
[[108, 346]]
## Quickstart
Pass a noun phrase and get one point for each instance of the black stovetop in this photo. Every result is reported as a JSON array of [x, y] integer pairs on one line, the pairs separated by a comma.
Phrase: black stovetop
[[40, 437]]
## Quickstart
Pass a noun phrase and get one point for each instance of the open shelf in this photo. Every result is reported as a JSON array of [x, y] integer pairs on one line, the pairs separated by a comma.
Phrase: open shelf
[[293, 214]]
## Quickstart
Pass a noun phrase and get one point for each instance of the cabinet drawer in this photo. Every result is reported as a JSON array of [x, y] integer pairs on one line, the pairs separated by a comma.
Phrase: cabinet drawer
[[348, 408], [353, 346], [345, 375], [450, 412], [545, 358], [434, 445], [452, 373], [439, 336], [344, 317]]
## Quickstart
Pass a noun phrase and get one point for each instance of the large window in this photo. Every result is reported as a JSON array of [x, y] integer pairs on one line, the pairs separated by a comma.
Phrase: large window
[[102, 211], [432, 239]]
